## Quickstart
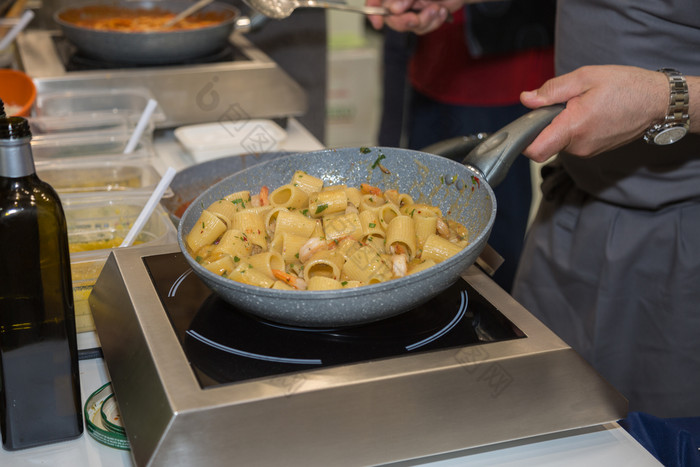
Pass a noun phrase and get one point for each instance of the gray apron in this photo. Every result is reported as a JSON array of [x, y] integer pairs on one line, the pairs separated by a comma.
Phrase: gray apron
[[612, 262], [622, 287]]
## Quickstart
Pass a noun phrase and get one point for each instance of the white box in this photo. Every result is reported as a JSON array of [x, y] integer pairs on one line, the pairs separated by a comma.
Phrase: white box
[[353, 100]]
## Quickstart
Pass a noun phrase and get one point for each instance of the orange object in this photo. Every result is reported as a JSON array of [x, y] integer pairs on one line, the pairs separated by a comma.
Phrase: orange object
[[17, 92]]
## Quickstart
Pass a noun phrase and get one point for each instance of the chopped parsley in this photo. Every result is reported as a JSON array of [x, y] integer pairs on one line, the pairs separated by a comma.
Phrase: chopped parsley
[[365, 150], [378, 160], [320, 208]]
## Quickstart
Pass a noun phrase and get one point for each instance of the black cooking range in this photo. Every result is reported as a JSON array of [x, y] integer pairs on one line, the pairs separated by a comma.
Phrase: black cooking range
[[225, 345], [74, 60], [199, 382]]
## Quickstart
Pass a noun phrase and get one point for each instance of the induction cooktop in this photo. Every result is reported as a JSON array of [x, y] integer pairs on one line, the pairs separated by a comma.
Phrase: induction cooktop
[[199, 382], [226, 345]]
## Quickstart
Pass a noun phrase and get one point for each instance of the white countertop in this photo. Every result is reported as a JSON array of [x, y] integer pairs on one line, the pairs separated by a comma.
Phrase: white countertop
[[608, 445]]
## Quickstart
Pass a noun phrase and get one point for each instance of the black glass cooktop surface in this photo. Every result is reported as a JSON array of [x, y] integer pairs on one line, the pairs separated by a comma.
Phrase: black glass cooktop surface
[[75, 60], [226, 345]]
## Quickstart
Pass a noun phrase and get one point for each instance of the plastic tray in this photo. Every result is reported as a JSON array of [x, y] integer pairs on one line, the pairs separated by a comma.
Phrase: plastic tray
[[96, 226], [96, 174], [88, 102], [99, 134]]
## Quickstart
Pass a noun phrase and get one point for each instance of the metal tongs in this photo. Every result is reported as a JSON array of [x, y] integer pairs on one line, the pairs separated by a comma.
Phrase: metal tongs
[[280, 9]]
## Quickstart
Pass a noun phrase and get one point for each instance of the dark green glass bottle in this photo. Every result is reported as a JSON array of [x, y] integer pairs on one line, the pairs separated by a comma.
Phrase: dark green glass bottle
[[39, 379]]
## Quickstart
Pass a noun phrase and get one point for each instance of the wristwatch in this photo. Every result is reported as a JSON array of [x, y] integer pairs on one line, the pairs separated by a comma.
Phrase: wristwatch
[[676, 123]]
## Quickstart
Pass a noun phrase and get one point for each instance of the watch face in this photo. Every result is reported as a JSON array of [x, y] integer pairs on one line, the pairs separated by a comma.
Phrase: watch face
[[670, 135]]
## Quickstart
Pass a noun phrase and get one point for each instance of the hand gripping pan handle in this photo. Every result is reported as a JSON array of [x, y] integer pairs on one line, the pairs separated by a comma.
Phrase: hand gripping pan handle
[[496, 154]]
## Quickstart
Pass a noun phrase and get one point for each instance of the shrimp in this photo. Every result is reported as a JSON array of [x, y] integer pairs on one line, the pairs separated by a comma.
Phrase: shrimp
[[399, 265], [392, 196], [311, 246], [264, 192], [458, 231], [370, 190], [260, 199], [442, 228], [290, 279], [397, 249]]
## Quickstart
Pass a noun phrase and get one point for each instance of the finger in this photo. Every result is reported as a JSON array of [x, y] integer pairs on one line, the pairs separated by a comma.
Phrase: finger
[[430, 18], [406, 22], [557, 90], [377, 21], [552, 140], [398, 7]]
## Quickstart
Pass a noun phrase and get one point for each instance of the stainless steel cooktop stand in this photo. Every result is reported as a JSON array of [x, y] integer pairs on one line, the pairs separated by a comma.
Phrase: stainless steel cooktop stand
[[229, 90], [368, 413]]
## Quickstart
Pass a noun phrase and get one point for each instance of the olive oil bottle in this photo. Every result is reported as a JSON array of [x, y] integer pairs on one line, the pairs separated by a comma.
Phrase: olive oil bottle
[[39, 380]]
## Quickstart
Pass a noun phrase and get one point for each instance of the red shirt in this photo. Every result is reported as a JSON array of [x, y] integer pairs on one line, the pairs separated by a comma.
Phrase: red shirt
[[442, 69]]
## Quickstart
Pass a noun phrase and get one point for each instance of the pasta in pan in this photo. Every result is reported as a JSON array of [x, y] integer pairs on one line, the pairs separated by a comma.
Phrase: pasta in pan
[[307, 236], [142, 20]]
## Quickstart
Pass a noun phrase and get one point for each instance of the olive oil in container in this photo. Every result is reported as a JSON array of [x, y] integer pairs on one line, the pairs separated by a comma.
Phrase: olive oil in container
[[39, 381]]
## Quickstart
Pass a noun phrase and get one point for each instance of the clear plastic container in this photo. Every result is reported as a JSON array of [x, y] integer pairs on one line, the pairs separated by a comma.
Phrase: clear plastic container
[[97, 135], [96, 102], [106, 145], [98, 224], [85, 273], [97, 174], [54, 126]]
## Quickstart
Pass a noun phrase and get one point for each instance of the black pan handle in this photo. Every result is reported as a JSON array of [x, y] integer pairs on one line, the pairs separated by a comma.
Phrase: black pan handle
[[496, 154], [456, 148]]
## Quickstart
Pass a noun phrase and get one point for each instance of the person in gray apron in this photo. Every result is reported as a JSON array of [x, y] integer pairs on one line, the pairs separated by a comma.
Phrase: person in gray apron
[[612, 262]]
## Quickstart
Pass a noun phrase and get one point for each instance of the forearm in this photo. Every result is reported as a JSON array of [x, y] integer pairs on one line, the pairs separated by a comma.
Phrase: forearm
[[606, 106]]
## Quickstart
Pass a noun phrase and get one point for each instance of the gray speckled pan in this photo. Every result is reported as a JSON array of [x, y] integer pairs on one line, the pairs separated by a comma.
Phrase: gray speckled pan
[[466, 198]]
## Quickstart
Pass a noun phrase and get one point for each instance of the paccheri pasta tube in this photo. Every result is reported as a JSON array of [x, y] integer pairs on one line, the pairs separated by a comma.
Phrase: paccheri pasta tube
[[304, 235]]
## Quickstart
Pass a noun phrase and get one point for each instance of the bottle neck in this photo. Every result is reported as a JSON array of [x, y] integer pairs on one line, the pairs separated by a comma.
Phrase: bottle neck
[[16, 158]]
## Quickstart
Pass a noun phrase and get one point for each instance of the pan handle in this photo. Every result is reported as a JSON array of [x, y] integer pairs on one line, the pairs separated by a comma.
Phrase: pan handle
[[496, 154], [456, 148]]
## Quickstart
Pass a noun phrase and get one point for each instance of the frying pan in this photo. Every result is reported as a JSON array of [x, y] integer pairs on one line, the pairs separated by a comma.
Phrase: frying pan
[[146, 48], [462, 191], [192, 181]]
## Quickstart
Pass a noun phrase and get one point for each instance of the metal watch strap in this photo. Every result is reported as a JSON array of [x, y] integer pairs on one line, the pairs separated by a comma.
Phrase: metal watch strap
[[677, 113], [679, 98]]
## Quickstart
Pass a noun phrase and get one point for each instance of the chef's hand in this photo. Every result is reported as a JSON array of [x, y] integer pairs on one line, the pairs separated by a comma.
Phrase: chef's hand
[[417, 16], [606, 106]]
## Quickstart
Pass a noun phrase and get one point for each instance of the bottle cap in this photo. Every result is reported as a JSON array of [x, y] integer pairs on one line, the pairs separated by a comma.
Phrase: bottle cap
[[14, 128], [103, 420]]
